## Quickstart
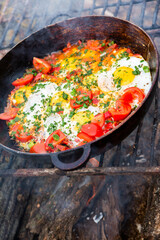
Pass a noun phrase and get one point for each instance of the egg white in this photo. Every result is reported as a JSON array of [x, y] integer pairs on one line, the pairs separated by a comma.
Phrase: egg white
[[142, 81]]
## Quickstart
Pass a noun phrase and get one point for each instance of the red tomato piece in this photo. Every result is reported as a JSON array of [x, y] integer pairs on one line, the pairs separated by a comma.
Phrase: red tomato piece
[[15, 127], [85, 137], [95, 95], [95, 101], [23, 81], [23, 136], [111, 48], [67, 48], [108, 126], [61, 147], [132, 93], [94, 45], [84, 97], [93, 130], [54, 139], [121, 111], [74, 104], [38, 76], [9, 115], [107, 115], [81, 143], [99, 119], [41, 65], [38, 148], [20, 134]]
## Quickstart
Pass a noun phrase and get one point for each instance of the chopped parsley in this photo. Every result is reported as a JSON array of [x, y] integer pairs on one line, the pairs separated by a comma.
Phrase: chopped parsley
[[146, 69], [117, 82], [65, 96], [111, 43], [56, 137], [101, 95], [136, 71]]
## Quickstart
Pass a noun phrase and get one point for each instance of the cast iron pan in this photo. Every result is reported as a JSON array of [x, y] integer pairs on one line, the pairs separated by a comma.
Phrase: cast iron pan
[[55, 37]]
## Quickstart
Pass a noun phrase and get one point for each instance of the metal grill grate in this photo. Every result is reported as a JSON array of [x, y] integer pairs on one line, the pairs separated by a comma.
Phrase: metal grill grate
[[20, 18]]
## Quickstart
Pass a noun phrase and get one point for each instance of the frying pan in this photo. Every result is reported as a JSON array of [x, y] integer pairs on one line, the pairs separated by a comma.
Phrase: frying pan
[[55, 37]]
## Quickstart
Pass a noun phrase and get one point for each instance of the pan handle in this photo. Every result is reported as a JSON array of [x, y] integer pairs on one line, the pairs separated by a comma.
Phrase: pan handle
[[64, 161]]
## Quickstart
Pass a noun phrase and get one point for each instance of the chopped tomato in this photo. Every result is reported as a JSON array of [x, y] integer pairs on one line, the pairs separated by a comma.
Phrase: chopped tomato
[[99, 119], [23, 81], [38, 148], [54, 138], [133, 93], [41, 65], [22, 136], [85, 137], [107, 115], [128, 50], [56, 69], [9, 115], [111, 48], [95, 101], [67, 48], [121, 111], [38, 76], [74, 104], [61, 147], [84, 97], [95, 95], [15, 127], [73, 73], [93, 130], [108, 127], [60, 112], [94, 45], [137, 55], [81, 143]]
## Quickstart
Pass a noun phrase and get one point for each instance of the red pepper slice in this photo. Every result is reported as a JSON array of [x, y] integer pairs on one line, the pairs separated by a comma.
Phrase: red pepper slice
[[23, 81], [54, 139], [41, 65]]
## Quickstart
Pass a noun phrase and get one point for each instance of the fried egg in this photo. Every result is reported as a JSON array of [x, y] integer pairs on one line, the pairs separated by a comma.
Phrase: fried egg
[[124, 73]]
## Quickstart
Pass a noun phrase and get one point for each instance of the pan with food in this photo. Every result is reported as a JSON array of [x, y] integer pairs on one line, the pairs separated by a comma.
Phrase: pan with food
[[76, 95]]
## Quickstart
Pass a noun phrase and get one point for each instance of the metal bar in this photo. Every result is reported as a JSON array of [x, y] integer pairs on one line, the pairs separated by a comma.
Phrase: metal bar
[[155, 14], [108, 171], [105, 7], [117, 8], [8, 25], [20, 21], [135, 148], [129, 11], [4, 9], [142, 13], [154, 131]]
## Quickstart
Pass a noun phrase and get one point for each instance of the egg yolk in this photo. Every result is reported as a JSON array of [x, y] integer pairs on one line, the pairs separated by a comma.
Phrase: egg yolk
[[81, 118], [125, 74], [60, 97]]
